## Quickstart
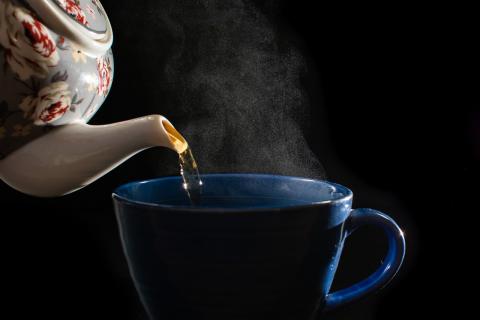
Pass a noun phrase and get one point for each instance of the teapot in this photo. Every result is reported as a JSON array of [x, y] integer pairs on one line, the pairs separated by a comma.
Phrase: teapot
[[57, 70]]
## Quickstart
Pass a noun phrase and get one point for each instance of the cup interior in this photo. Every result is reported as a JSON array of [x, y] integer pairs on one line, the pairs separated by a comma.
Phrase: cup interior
[[233, 191]]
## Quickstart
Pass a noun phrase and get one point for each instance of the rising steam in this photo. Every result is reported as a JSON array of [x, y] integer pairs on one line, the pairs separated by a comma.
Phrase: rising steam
[[229, 82]]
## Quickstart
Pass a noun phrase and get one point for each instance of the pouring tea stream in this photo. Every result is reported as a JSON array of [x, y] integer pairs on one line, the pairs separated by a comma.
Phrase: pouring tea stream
[[59, 70]]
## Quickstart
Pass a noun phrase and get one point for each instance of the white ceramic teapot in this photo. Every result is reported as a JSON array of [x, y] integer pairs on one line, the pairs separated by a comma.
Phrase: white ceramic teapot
[[57, 71]]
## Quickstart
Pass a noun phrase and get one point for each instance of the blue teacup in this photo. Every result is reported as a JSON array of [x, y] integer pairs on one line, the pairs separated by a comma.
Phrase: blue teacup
[[255, 247]]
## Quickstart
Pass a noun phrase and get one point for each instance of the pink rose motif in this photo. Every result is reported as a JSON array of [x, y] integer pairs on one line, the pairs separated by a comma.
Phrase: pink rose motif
[[74, 10], [29, 47], [104, 68], [50, 103]]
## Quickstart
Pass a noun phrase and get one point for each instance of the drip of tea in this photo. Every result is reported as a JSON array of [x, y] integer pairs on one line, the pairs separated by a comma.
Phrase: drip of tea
[[188, 166], [191, 177]]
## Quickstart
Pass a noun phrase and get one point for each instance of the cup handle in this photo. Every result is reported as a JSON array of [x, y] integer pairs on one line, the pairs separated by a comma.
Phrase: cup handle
[[388, 269]]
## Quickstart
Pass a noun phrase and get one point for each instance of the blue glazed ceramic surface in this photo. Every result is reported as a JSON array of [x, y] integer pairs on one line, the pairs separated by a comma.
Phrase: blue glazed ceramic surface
[[256, 247]]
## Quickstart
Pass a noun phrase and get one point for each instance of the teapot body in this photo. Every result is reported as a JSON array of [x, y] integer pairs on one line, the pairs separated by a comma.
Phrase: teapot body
[[47, 79], [57, 71]]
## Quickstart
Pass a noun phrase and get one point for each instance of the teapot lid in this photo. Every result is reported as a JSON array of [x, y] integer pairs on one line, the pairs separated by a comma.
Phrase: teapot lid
[[82, 21]]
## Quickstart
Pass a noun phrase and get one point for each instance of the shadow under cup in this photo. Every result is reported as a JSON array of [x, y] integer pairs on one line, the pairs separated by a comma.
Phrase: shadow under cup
[[255, 247]]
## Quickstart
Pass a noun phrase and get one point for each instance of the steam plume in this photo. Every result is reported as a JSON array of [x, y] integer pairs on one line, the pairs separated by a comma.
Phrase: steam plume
[[230, 82]]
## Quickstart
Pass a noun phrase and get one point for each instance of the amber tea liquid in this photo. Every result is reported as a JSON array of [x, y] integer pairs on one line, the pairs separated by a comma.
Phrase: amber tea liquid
[[190, 175], [188, 166]]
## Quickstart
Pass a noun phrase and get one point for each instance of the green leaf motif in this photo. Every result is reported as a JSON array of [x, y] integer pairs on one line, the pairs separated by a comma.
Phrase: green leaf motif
[[58, 76]]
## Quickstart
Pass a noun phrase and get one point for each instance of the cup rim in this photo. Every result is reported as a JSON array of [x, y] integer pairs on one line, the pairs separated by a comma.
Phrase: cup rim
[[348, 195]]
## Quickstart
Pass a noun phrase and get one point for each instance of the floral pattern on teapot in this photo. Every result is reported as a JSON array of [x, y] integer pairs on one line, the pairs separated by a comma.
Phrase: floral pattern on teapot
[[74, 10], [46, 80], [29, 47], [86, 12]]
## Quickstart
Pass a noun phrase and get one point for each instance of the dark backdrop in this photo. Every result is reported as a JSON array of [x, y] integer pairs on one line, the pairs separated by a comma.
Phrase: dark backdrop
[[394, 115]]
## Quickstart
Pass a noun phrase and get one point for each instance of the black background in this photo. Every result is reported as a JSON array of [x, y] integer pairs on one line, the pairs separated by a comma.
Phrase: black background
[[394, 95]]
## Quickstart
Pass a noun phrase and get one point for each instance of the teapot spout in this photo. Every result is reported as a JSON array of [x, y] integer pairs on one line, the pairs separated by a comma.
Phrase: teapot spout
[[72, 156]]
